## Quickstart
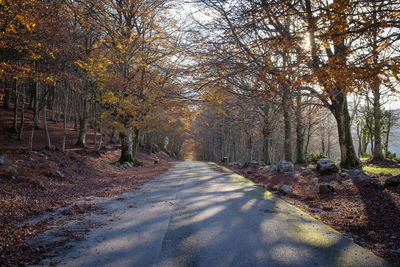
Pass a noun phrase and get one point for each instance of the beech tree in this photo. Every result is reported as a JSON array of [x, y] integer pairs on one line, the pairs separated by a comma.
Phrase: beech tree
[[133, 67], [324, 41]]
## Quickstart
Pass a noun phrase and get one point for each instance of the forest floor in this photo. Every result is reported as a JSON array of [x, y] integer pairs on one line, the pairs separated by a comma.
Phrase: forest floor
[[38, 183], [361, 209]]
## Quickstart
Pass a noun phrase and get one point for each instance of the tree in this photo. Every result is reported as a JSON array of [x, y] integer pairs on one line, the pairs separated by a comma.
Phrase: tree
[[133, 67]]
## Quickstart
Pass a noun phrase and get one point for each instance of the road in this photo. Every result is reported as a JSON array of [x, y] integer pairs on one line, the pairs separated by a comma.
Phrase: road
[[195, 216]]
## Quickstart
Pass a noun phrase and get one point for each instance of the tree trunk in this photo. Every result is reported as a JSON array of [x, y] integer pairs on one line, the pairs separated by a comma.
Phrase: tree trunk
[[113, 137], [364, 142], [359, 141], [31, 137], [126, 147], [299, 131], [95, 124], [36, 106], [389, 125], [267, 148], [75, 121], [16, 99], [46, 130], [150, 140], [249, 149], [328, 145], [53, 106], [7, 93], [67, 106], [308, 135], [136, 138], [21, 125], [287, 146], [129, 147], [83, 123], [348, 155], [377, 153], [101, 136], [31, 95]]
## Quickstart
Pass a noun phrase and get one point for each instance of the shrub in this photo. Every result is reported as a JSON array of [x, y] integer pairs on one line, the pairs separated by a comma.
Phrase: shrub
[[391, 155], [316, 156]]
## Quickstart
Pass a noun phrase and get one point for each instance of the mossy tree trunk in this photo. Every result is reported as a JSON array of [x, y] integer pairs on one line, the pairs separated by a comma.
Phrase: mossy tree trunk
[[340, 110], [136, 137], [129, 146]]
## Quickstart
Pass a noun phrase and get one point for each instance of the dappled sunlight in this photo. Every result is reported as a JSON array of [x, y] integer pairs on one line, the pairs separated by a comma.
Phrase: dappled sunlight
[[290, 255], [186, 219], [304, 233], [207, 213], [249, 205]]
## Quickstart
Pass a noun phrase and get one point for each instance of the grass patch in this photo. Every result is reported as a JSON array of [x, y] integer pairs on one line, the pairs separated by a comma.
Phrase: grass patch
[[377, 170]]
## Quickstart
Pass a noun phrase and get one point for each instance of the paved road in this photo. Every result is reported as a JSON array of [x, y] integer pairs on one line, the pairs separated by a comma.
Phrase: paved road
[[194, 216]]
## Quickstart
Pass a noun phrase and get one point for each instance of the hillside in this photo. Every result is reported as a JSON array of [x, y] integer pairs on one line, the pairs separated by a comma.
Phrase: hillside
[[33, 184]]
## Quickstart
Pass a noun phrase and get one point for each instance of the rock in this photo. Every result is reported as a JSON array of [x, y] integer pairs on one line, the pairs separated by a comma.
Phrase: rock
[[262, 163], [392, 181], [343, 174], [286, 189], [285, 166], [316, 210], [59, 173], [326, 166], [125, 165], [381, 174], [117, 164], [326, 188], [375, 183], [251, 164], [371, 233], [362, 177], [393, 237]]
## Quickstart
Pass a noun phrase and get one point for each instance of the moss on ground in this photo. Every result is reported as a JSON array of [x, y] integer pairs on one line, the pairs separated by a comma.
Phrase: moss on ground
[[377, 170]]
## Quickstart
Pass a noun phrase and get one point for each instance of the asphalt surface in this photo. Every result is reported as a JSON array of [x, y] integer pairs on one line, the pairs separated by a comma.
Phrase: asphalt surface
[[195, 216]]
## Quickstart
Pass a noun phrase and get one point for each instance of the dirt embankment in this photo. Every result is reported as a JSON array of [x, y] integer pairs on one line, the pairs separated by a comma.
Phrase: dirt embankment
[[33, 184], [362, 209]]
